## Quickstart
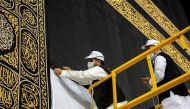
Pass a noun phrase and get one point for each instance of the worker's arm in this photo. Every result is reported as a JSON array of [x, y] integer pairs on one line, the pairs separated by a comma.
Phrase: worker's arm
[[91, 74]]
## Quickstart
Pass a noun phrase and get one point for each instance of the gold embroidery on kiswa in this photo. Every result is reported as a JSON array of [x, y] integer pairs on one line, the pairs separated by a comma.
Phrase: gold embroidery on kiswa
[[43, 56], [8, 78], [6, 98], [23, 60], [161, 19], [11, 58], [31, 2], [28, 16], [6, 34], [132, 15], [31, 76], [7, 3], [29, 95], [29, 51], [8, 88], [9, 37]]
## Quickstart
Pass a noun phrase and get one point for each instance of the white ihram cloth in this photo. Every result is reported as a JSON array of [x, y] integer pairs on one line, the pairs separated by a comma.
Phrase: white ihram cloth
[[87, 76], [67, 94]]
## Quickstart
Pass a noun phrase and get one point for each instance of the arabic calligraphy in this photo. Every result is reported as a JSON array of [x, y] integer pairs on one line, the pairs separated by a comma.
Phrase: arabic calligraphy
[[7, 77], [29, 95], [6, 34], [29, 50], [22, 71], [6, 99]]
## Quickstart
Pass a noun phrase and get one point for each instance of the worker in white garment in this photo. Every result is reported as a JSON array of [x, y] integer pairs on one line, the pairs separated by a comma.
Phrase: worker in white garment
[[165, 70], [96, 71]]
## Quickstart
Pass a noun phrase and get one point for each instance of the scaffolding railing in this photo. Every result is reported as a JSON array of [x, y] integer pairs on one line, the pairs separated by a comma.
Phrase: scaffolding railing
[[155, 90]]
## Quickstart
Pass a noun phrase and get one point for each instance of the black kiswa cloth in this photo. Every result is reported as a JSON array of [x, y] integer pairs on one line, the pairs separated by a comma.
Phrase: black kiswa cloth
[[152, 107], [52, 67], [55, 66]]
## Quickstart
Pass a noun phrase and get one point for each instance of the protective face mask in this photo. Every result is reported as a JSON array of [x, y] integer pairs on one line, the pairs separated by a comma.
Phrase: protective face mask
[[153, 56], [90, 65]]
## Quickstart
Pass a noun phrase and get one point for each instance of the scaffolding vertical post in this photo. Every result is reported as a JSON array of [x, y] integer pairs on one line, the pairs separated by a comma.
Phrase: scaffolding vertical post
[[153, 79], [183, 43], [114, 90], [92, 99]]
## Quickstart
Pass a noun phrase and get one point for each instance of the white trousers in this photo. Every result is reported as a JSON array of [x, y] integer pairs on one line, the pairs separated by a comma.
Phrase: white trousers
[[176, 102]]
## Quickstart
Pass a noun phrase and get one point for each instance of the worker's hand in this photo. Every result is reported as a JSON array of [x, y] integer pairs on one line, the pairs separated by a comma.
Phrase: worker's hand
[[146, 80], [57, 71], [66, 68]]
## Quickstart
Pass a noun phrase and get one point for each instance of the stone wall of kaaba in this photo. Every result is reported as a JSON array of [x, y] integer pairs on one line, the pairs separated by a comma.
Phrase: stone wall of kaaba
[[23, 63]]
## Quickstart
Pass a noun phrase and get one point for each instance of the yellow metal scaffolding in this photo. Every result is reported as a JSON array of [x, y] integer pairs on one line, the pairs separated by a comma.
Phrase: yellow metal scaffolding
[[155, 90]]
